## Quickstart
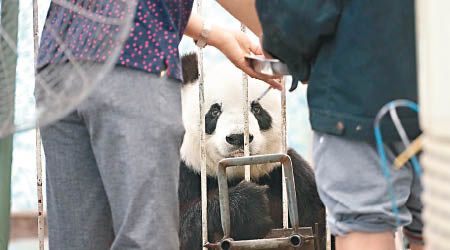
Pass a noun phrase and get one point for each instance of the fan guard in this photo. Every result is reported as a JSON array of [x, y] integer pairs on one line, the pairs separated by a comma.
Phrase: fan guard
[[83, 42]]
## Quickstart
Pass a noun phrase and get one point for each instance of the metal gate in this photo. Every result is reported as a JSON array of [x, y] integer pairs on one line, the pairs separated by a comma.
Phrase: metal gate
[[284, 238]]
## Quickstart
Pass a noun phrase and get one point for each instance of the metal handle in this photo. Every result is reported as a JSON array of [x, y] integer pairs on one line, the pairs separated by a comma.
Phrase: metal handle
[[284, 159]]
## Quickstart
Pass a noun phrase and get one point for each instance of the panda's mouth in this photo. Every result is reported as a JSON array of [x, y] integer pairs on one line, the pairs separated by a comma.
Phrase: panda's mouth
[[237, 153]]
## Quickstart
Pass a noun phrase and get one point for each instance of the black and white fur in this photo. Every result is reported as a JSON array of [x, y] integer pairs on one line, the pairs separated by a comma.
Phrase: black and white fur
[[255, 207]]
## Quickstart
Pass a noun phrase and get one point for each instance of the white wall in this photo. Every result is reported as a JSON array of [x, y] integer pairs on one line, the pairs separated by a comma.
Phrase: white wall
[[433, 32]]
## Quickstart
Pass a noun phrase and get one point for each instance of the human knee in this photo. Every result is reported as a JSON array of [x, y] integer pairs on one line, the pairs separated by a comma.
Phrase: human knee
[[366, 240]]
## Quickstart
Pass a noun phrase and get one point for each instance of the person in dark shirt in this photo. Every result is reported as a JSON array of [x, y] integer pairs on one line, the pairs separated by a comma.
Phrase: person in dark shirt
[[356, 55], [113, 162]]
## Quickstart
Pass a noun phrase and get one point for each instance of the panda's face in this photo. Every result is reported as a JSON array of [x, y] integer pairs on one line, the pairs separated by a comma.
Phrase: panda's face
[[224, 121]]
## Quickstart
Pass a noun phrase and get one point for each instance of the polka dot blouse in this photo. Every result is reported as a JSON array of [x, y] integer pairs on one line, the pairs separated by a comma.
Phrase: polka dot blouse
[[151, 45]]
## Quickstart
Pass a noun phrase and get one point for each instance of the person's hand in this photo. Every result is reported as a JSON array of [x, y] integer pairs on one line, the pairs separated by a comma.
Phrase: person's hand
[[235, 45]]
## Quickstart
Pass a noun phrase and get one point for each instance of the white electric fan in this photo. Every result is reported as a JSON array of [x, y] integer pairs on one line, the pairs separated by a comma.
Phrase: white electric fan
[[84, 33]]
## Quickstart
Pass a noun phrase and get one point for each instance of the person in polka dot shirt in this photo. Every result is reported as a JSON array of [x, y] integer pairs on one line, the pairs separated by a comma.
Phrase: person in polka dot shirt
[[113, 162], [152, 45]]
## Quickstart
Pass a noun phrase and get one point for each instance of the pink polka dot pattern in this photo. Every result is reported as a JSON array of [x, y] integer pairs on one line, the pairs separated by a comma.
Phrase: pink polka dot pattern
[[152, 44]]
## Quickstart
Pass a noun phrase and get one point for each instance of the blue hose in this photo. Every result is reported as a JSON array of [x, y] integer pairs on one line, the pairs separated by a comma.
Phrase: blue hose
[[382, 153]]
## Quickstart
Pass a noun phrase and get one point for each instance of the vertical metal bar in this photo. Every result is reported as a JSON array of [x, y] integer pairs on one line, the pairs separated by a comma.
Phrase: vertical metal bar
[[204, 190], [39, 190], [224, 200], [9, 25], [284, 151], [38, 135], [246, 125], [292, 197]]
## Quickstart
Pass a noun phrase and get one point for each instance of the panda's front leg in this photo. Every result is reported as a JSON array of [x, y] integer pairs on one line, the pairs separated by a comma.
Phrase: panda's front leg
[[249, 211], [249, 214]]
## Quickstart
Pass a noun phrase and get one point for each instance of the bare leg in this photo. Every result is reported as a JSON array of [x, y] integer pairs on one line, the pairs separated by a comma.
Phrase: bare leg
[[366, 241], [415, 246]]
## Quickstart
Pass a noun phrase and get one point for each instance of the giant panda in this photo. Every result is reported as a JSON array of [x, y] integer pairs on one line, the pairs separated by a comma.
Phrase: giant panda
[[255, 207]]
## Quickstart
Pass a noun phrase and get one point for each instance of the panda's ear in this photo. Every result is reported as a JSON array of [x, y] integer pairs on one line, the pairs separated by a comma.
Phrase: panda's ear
[[189, 64]]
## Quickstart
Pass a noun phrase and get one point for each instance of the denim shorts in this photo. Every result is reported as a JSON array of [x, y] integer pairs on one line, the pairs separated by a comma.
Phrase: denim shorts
[[352, 186]]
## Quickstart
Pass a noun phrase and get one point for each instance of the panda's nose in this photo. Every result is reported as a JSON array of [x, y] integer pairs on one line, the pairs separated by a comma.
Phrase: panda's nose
[[237, 139]]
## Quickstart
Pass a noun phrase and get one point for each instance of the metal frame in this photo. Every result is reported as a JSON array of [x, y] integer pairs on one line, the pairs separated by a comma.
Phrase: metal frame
[[288, 185], [295, 239], [284, 159]]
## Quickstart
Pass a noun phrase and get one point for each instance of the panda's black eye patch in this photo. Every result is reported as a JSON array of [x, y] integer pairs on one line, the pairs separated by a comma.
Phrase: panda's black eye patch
[[215, 113], [256, 109], [261, 115], [211, 118]]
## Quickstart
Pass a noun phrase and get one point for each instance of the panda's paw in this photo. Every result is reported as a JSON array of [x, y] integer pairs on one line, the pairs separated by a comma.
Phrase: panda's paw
[[251, 192], [250, 214]]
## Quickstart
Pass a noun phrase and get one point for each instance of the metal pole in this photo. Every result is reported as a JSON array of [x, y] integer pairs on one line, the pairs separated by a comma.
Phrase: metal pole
[[284, 151], [246, 125], [290, 242], [9, 25], [204, 190], [39, 190], [38, 135]]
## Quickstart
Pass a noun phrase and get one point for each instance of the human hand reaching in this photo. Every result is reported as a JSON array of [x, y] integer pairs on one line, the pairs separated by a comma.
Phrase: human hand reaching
[[235, 45]]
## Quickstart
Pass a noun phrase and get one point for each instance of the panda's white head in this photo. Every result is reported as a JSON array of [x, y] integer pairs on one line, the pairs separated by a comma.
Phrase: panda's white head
[[224, 119]]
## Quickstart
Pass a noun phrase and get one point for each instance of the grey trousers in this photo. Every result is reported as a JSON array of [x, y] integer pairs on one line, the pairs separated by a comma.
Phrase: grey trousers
[[113, 165], [352, 186]]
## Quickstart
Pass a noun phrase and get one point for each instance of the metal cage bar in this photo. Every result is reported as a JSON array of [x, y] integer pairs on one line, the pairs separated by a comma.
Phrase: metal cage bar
[[286, 190], [284, 151], [246, 112], [204, 190], [284, 159], [40, 197]]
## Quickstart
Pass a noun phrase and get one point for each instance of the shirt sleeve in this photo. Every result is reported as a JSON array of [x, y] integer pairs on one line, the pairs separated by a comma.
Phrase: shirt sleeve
[[293, 30]]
